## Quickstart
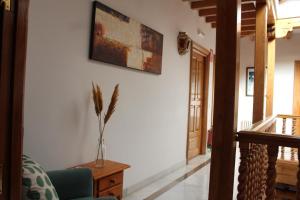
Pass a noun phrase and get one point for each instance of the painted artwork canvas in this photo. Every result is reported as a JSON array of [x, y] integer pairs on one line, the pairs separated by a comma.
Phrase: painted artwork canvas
[[120, 40]]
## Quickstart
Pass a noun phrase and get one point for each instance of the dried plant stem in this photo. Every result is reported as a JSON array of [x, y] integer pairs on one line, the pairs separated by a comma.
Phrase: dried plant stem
[[98, 101], [100, 138], [101, 131]]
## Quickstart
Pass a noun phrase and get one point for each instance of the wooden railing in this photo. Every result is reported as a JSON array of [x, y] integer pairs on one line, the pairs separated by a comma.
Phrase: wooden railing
[[292, 122], [259, 148]]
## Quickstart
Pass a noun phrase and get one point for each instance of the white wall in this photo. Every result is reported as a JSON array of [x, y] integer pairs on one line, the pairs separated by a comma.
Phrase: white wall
[[148, 129], [287, 51], [246, 60], [286, 55]]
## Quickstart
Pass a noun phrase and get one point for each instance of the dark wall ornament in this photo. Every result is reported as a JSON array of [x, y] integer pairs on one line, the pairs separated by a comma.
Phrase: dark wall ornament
[[183, 43]]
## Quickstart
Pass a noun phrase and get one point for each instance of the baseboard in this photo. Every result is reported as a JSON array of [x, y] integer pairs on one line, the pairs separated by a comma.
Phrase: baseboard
[[129, 190]]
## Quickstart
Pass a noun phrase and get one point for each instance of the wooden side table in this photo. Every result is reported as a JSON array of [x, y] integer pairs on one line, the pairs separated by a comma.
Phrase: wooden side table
[[108, 180]]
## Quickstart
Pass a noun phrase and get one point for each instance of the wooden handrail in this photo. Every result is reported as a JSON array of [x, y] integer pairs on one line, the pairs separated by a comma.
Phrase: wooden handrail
[[288, 116], [261, 126], [259, 148], [269, 139]]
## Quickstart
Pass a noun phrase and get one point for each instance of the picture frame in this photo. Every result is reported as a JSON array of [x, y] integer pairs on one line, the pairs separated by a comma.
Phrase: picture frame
[[250, 81], [122, 41]]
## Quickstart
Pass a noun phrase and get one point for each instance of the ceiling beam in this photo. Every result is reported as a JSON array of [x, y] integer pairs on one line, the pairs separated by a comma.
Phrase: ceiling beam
[[245, 33], [211, 19], [247, 22], [244, 27], [207, 12], [248, 7], [248, 13], [248, 28], [209, 4], [203, 4], [284, 26]]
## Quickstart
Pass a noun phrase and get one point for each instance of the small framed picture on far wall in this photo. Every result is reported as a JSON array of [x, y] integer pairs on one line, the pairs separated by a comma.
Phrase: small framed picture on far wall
[[249, 81]]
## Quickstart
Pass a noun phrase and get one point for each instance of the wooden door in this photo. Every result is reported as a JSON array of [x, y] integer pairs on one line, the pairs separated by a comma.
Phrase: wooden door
[[196, 105], [13, 37], [296, 103]]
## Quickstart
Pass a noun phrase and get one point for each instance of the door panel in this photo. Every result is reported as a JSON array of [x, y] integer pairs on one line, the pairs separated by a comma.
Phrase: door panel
[[197, 77]]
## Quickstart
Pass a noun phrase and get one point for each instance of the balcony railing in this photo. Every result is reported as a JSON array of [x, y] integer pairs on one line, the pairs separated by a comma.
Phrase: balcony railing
[[260, 158]]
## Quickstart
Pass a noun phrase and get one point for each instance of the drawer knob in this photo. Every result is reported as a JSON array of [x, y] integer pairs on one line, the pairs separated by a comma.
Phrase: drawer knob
[[112, 181], [111, 194]]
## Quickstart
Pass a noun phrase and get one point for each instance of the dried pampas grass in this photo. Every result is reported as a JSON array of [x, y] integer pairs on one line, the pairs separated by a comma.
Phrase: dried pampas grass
[[97, 97], [112, 105], [98, 102]]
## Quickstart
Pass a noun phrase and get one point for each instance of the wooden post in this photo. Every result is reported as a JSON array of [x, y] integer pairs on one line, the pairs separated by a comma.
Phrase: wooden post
[[296, 98], [270, 77], [260, 61], [226, 93]]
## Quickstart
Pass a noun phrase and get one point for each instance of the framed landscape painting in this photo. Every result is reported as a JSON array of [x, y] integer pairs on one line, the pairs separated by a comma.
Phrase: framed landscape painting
[[249, 81], [120, 40]]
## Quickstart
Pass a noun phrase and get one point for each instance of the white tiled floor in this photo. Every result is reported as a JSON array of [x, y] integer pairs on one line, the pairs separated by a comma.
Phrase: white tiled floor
[[194, 187]]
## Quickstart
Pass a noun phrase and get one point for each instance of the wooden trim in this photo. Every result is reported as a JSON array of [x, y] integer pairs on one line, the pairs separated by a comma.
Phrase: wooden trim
[[260, 61], [205, 53], [20, 49], [5, 96], [213, 91], [226, 94], [270, 77], [200, 49], [205, 107], [12, 77]]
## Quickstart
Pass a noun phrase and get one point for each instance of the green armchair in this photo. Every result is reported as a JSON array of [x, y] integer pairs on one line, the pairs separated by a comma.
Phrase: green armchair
[[74, 184]]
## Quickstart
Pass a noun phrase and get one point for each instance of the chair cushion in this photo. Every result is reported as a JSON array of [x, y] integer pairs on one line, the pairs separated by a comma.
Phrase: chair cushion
[[35, 182]]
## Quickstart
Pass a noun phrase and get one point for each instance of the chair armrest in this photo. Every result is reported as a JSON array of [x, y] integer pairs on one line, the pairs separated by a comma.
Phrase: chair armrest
[[72, 183]]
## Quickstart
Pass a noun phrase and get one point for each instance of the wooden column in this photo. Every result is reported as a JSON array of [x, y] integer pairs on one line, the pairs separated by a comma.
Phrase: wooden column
[[270, 77], [226, 93], [296, 98], [260, 61]]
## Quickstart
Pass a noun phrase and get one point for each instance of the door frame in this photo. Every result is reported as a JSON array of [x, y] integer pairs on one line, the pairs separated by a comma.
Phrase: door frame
[[13, 61], [205, 53]]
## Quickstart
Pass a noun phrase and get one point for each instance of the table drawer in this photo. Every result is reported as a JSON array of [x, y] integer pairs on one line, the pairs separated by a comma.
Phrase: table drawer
[[115, 191], [110, 181]]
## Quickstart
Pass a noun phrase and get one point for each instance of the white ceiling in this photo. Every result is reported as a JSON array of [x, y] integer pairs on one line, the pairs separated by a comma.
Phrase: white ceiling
[[288, 8]]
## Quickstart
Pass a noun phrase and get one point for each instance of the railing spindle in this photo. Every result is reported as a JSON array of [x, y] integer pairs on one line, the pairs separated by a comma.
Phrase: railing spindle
[[293, 133], [283, 132], [271, 172]]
